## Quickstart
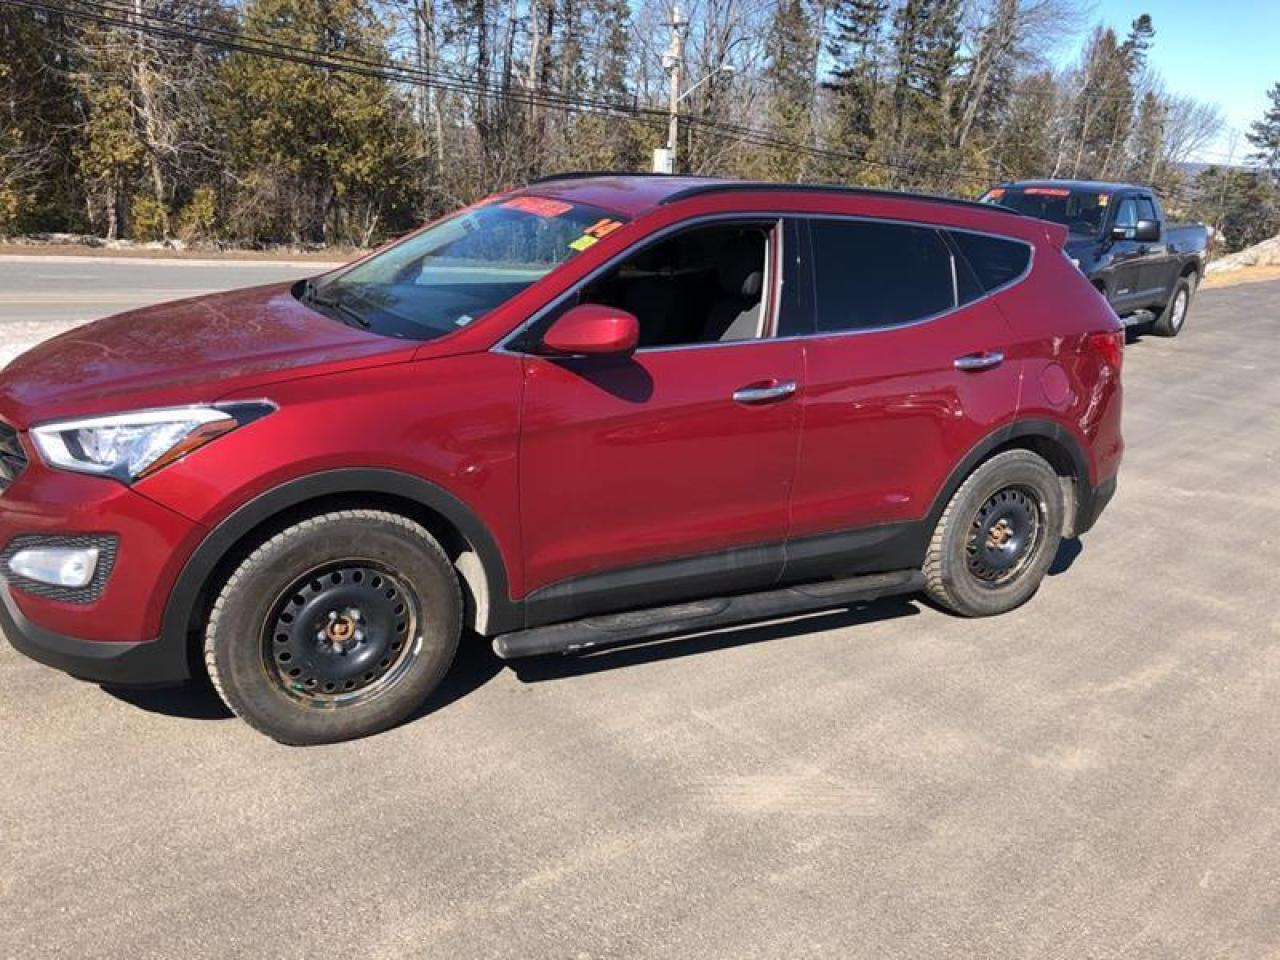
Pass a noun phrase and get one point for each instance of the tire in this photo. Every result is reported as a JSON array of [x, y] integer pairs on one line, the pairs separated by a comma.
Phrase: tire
[[997, 536], [335, 628], [1174, 315]]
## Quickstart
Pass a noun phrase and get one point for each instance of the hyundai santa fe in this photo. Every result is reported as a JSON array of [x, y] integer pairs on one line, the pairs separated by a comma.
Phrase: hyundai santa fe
[[596, 409]]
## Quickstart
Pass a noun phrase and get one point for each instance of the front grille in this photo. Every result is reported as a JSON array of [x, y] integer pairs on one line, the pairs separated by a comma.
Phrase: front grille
[[106, 543], [13, 458]]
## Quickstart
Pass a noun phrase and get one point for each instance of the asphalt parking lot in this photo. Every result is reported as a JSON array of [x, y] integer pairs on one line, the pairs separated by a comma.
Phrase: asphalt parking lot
[[1094, 775]]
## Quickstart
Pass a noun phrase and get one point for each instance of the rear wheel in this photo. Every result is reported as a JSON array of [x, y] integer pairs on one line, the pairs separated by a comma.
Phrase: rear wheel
[[337, 627], [1174, 316], [997, 536]]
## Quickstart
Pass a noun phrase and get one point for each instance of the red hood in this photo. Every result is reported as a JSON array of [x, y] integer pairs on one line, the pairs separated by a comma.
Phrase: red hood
[[188, 351]]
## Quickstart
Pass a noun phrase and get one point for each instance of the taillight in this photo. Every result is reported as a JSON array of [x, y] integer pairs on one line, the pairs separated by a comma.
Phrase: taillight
[[1110, 347]]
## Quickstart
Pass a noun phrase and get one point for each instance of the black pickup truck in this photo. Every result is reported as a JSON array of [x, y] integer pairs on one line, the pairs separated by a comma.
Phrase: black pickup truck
[[1147, 268]]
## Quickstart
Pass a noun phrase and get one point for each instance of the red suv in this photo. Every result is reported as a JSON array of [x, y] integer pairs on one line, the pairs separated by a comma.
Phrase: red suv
[[595, 409]]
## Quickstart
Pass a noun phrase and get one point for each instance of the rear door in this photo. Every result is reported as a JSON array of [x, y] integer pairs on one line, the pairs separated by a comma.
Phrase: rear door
[[905, 372]]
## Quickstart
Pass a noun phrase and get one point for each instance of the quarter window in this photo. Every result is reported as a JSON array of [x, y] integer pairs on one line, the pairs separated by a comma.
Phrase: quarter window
[[869, 275], [987, 263]]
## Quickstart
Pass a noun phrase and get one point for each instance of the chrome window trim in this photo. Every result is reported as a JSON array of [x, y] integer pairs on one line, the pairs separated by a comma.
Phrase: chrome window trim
[[781, 215]]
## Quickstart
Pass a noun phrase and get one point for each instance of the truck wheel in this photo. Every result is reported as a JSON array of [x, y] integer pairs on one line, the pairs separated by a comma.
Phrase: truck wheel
[[337, 627], [1174, 315], [997, 537]]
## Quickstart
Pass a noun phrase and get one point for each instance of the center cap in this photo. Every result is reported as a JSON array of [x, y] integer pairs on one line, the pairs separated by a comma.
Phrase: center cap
[[999, 535], [341, 629]]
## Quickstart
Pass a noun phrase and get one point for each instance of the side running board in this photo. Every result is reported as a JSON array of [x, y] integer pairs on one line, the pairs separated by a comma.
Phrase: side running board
[[578, 635]]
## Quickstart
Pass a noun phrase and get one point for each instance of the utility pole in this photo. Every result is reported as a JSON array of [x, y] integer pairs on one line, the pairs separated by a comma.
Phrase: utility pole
[[664, 160]]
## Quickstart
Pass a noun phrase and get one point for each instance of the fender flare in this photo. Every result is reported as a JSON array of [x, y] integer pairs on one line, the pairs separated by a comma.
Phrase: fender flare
[[1031, 428], [503, 614]]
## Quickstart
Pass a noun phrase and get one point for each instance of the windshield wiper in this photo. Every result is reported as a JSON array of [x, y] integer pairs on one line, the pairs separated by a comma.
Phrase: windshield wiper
[[348, 314]]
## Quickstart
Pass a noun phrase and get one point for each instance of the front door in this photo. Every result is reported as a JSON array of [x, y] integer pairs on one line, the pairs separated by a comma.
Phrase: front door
[[665, 475], [1127, 255]]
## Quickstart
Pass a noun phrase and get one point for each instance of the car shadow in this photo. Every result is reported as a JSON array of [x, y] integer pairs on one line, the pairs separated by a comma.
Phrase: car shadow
[[473, 667], [559, 666], [476, 664], [1068, 550], [194, 700]]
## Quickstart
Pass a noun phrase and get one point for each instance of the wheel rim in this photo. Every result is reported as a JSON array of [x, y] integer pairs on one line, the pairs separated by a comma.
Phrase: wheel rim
[[342, 634], [1004, 536], [1179, 309]]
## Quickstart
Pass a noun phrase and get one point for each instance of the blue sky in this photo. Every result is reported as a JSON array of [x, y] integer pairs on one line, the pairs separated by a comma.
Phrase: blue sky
[[1224, 51]]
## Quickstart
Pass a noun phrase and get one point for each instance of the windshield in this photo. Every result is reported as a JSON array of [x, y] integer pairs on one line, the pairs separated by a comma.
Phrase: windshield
[[456, 271], [1080, 211]]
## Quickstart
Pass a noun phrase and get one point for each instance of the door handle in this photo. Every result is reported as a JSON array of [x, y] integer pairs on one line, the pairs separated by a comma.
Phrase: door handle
[[766, 392], [980, 361]]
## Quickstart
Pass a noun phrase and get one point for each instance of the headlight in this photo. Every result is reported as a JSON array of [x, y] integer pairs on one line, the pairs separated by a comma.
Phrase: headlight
[[128, 446]]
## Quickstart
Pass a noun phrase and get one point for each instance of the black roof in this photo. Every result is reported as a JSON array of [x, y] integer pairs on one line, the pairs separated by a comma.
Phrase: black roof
[[731, 186], [722, 185], [1087, 186]]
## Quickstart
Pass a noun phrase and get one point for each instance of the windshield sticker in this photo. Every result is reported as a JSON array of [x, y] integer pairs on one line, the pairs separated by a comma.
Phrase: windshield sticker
[[463, 320], [1047, 191], [602, 228], [1104, 199], [538, 206], [583, 242], [993, 195]]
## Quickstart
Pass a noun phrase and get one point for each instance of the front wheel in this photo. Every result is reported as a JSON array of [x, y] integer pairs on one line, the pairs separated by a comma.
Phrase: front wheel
[[1174, 316], [997, 536], [337, 627]]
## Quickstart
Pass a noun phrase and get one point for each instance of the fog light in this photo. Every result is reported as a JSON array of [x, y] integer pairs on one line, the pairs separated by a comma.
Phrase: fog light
[[59, 566]]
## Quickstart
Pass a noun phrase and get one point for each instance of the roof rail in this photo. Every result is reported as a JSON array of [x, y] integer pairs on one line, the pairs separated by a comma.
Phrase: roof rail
[[724, 186], [582, 174]]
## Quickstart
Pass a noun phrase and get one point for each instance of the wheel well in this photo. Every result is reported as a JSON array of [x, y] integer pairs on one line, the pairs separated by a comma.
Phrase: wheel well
[[1064, 465], [1190, 270], [461, 552]]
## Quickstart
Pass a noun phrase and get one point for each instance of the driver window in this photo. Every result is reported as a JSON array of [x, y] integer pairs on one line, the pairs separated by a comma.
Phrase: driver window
[[703, 285]]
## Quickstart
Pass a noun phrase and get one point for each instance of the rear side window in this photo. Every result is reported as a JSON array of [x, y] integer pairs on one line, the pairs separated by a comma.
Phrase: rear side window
[[991, 262], [870, 275]]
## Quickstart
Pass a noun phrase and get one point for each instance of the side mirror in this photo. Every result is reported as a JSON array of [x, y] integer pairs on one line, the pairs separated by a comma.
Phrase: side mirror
[[1147, 231], [593, 330]]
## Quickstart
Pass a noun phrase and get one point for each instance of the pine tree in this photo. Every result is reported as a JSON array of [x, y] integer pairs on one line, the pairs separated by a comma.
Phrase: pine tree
[[853, 45], [317, 155], [1264, 134], [788, 84], [926, 41]]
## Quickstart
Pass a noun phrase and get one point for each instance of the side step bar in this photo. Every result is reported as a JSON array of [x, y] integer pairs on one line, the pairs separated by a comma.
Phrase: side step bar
[[578, 635]]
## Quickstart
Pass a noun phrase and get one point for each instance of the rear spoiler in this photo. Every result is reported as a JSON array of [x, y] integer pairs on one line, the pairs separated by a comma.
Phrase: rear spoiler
[[1055, 234]]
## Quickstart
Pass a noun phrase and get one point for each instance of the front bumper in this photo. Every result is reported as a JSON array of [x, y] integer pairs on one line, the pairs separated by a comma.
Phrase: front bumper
[[127, 664], [107, 634]]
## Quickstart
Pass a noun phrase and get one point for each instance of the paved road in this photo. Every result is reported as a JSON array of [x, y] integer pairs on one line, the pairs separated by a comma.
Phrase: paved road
[[1095, 775], [41, 296]]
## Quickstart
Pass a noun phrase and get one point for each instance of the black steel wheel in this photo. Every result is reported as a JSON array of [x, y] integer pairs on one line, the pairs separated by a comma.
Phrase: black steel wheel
[[337, 627], [997, 536], [342, 634], [1004, 535]]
